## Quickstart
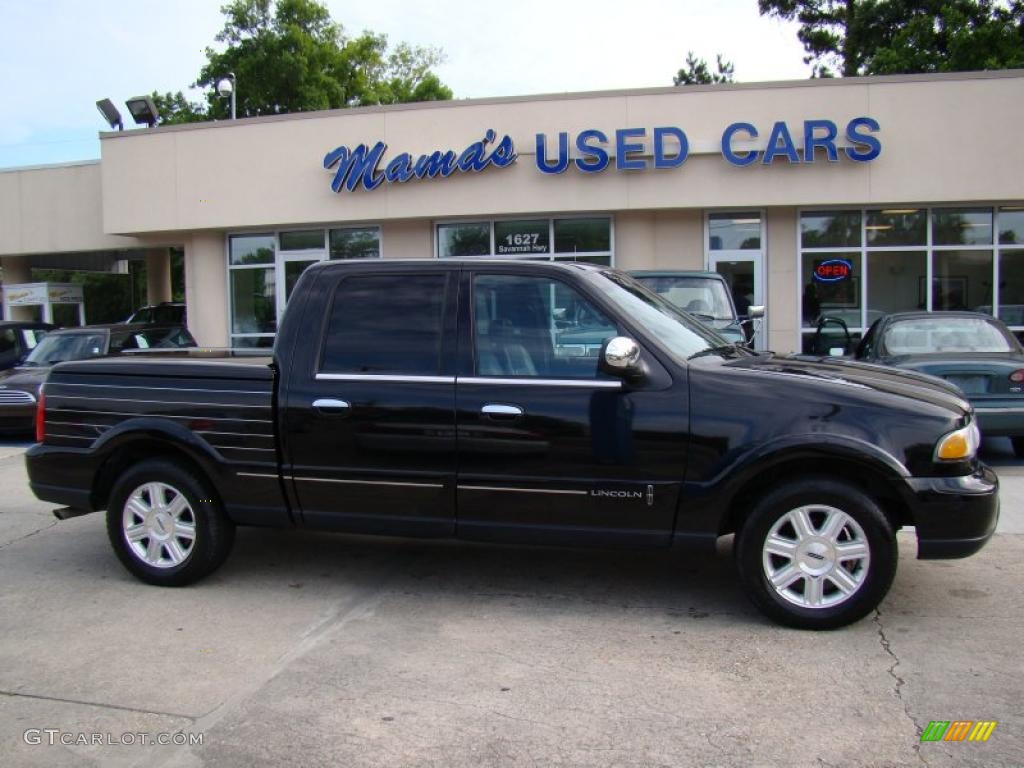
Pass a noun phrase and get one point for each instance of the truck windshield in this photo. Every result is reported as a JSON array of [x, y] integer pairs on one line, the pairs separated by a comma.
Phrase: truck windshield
[[704, 296], [59, 347], [682, 335]]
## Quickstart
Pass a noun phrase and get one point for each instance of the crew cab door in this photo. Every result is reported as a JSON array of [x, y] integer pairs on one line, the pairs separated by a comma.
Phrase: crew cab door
[[368, 422], [550, 449]]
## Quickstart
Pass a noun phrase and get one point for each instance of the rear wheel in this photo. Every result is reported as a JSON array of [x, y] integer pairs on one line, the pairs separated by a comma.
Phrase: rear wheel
[[816, 554], [165, 524], [1018, 446]]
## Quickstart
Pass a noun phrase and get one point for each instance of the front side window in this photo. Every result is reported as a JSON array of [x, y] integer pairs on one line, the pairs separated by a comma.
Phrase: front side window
[[535, 326], [382, 325]]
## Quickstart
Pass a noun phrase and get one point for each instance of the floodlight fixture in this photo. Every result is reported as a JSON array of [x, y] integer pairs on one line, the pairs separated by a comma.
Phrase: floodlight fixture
[[226, 88], [110, 114], [143, 110]]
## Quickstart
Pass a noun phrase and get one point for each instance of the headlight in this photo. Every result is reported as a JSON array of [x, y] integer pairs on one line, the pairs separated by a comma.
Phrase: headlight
[[959, 445]]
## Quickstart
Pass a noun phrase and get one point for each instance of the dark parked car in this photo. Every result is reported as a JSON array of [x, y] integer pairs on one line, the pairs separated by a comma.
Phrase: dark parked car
[[974, 351], [439, 398], [20, 386], [166, 313], [17, 339], [706, 296]]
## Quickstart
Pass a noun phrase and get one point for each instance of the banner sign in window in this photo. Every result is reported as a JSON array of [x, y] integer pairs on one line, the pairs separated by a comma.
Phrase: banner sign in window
[[518, 237]]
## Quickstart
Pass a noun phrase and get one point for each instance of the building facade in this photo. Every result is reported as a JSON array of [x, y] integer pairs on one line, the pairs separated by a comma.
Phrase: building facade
[[849, 198]]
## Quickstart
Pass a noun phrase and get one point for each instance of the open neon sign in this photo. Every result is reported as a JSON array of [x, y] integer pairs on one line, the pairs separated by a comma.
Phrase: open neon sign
[[833, 271]]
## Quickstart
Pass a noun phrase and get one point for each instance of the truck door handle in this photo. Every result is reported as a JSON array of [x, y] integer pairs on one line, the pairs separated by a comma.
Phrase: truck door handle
[[332, 407], [500, 412]]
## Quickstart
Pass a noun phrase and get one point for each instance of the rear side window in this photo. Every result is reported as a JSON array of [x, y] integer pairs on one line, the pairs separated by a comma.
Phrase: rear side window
[[386, 324]]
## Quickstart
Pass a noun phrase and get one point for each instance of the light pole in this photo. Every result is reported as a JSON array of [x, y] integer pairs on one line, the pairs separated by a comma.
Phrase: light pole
[[225, 88]]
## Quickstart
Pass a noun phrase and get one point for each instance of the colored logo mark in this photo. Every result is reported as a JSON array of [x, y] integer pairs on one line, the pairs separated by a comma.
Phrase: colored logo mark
[[958, 730]]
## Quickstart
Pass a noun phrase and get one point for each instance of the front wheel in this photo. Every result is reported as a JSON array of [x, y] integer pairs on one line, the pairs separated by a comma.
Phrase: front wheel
[[166, 526], [816, 554]]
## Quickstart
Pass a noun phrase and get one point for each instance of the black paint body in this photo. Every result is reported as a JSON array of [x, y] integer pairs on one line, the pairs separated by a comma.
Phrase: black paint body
[[675, 457]]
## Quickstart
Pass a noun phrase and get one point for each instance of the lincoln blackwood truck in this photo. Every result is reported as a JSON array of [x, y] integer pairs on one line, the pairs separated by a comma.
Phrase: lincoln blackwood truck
[[554, 403]]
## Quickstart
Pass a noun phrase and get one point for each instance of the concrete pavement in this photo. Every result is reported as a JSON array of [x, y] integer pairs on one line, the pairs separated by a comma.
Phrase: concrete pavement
[[315, 649]]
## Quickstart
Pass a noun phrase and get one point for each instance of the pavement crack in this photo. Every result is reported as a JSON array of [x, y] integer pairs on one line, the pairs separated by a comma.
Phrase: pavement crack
[[98, 704], [898, 683], [28, 535]]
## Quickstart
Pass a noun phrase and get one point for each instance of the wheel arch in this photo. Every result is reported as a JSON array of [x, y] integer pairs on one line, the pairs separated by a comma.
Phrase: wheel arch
[[132, 446], [876, 479]]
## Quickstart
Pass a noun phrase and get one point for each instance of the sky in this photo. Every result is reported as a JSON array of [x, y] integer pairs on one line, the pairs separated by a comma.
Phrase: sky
[[58, 57]]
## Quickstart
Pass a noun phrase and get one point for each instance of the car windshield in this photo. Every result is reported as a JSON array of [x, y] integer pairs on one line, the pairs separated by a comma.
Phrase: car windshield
[[684, 337], [699, 295], [59, 347], [938, 335]]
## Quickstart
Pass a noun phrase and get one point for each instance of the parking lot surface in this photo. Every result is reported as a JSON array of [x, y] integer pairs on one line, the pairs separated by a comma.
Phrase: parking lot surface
[[328, 650]]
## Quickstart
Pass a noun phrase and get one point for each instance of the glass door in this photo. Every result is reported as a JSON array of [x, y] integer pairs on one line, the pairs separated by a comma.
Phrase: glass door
[[735, 249]]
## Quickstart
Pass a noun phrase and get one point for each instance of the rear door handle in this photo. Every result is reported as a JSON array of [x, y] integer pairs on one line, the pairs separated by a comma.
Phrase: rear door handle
[[501, 412], [332, 407]]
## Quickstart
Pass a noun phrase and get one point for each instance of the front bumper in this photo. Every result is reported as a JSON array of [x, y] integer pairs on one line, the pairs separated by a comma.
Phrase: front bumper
[[954, 516], [18, 419]]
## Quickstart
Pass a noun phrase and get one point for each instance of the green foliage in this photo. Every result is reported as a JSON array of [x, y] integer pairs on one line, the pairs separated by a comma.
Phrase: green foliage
[[697, 71], [871, 37], [290, 56]]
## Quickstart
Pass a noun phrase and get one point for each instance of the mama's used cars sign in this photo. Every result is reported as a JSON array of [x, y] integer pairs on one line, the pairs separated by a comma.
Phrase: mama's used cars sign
[[626, 149]]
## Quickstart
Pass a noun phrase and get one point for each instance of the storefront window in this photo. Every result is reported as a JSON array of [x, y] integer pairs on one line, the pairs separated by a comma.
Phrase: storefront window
[[830, 229], [1011, 226], [264, 268], [305, 240], [964, 226], [464, 239], [251, 249], [889, 227], [355, 243], [587, 239], [252, 301], [831, 286], [734, 232], [582, 235], [1011, 287], [896, 282], [962, 280]]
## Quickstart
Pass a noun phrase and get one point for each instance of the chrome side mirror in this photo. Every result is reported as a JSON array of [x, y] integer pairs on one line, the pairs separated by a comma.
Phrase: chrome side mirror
[[621, 354], [755, 312]]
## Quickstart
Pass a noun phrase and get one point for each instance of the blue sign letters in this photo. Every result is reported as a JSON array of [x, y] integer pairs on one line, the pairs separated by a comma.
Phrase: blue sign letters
[[595, 151]]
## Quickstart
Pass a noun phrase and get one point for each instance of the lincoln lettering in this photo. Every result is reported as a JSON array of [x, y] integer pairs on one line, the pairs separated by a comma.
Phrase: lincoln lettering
[[617, 494]]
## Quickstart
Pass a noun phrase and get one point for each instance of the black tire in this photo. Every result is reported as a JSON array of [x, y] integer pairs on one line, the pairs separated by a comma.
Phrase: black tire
[[873, 574], [212, 532], [1018, 446]]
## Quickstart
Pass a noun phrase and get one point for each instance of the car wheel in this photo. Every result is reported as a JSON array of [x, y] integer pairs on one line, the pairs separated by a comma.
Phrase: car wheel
[[166, 525], [816, 554], [1018, 446]]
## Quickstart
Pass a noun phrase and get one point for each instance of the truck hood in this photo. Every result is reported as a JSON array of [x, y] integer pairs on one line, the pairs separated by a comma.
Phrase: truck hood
[[25, 379], [828, 371]]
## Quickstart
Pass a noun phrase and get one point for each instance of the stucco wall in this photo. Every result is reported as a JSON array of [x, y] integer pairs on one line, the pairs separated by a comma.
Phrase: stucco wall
[[944, 139], [53, 209]]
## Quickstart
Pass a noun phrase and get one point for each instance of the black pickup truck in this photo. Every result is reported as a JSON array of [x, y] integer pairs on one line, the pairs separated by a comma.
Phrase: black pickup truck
[[521, 402]]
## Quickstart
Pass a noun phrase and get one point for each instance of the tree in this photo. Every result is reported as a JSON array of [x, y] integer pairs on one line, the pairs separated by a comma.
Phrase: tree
[[867, 37], [291, 56], [697, 71]]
